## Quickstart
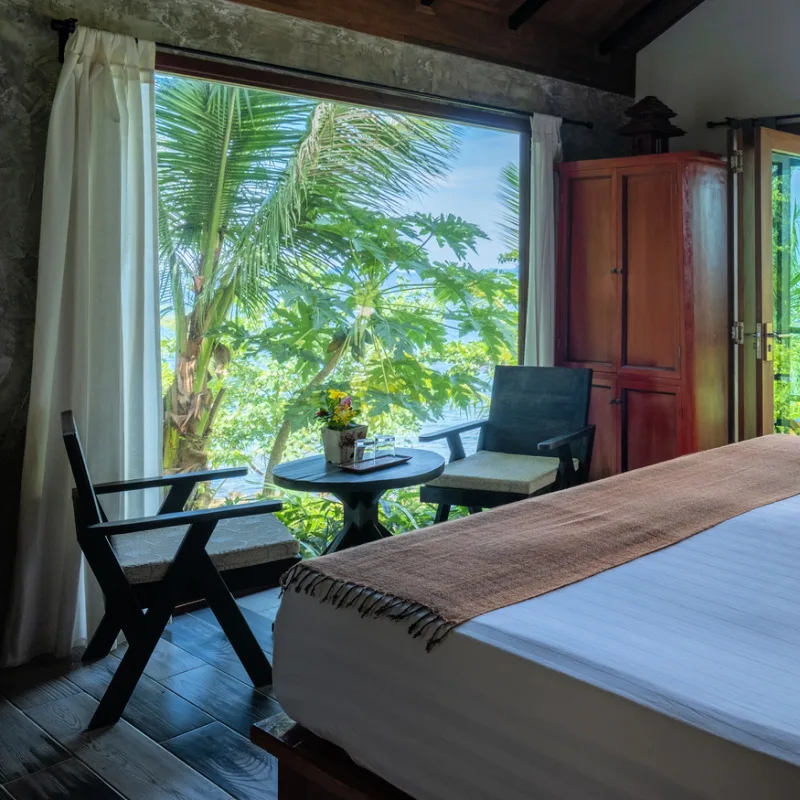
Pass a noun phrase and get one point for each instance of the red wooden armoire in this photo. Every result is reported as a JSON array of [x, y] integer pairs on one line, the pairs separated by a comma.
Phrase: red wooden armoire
[[642, 299]]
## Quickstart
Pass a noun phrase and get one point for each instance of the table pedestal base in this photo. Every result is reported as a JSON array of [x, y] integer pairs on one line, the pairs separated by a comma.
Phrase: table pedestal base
[[361, 523], [358, 493]]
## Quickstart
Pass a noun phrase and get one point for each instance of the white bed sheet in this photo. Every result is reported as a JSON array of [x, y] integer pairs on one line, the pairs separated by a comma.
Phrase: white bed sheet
[[673, 676]]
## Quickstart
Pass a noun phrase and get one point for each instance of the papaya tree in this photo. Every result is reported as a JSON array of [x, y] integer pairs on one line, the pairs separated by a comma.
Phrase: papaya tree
[[408, 334]]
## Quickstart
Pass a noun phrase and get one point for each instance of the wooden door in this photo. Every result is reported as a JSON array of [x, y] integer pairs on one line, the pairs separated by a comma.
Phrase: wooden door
[[650, 423], [587, 286], [777, 282], [649, 242], [604, 415]]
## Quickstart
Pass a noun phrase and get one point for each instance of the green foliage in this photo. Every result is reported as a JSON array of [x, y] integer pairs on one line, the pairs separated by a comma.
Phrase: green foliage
[[247, 183], [244, 175], [316, 519], [412, 336], [244, 433], [508, 194], [786, 300], [287, 268]]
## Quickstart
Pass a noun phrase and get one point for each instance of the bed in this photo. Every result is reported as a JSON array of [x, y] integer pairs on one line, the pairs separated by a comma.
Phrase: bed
[[673, 675]]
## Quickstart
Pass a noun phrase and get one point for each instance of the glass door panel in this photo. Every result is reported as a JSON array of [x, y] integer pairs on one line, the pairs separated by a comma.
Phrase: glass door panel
[[776, 336], [785, 292]]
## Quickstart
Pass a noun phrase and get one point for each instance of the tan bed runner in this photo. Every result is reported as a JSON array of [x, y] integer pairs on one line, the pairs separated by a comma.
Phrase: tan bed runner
[[440, 577]]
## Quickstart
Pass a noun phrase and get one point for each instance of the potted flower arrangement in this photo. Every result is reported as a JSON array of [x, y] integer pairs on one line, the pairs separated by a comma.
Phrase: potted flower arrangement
[[340, 432]]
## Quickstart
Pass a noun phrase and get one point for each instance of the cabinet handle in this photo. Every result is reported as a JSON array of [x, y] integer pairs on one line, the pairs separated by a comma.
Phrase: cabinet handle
[[616, 401], [616, 271]]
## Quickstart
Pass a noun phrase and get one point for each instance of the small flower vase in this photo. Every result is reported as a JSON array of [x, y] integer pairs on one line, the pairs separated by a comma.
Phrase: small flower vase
[[340, 446]]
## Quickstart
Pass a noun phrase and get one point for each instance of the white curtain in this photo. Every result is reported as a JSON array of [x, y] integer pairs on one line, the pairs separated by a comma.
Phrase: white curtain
[[540, 320], [96, 342]]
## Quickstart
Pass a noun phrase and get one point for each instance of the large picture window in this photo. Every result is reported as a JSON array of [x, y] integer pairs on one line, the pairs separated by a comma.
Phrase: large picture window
[[309, 244]]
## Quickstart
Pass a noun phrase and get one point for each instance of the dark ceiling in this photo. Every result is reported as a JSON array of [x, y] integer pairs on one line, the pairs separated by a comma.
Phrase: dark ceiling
[[593, 42]]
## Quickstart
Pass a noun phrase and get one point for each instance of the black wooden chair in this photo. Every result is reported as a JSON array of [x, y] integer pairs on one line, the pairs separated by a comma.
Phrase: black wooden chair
[[159, 562], [536, 440]]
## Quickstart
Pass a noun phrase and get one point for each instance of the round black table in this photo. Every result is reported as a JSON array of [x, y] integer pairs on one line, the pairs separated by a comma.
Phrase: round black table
[[359, 493]]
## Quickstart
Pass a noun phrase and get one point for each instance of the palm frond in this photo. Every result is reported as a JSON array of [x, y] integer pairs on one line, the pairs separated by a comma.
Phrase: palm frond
[[508, 195], [248, 179], [349, 157], [221, 150]]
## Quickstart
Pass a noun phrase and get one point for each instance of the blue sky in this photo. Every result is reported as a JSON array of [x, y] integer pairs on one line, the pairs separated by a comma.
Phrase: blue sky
[[470, 190]]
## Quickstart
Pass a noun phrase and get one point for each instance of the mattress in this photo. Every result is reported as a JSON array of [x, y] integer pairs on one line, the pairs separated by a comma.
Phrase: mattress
[[673, 676]]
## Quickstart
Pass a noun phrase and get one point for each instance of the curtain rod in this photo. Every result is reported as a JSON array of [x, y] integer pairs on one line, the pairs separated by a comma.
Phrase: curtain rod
[[735, 123], [64, 27]]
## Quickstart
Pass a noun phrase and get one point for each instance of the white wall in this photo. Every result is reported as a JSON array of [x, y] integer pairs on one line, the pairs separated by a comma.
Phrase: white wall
[[727, 58]]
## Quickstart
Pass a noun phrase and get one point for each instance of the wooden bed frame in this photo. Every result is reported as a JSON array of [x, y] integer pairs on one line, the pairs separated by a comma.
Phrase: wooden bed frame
[[311, 768]]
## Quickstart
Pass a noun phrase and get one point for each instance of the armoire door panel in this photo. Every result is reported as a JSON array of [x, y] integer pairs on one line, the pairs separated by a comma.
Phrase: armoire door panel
[[650, 426], [591, 306], [650, 237], [604, 415]]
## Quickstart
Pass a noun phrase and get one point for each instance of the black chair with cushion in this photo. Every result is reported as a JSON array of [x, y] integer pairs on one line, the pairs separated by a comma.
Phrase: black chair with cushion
[[176, 557], [536, 440]]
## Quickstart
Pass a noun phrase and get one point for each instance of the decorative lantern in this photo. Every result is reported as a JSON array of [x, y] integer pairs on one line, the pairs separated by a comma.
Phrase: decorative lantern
[[650, 127]]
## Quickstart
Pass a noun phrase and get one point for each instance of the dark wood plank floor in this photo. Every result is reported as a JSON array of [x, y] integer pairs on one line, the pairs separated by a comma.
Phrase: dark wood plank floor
[[184, 735]]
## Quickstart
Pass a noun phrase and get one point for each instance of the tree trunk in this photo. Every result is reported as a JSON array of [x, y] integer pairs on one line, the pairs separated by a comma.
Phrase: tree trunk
[[282, 437], [189, 405]]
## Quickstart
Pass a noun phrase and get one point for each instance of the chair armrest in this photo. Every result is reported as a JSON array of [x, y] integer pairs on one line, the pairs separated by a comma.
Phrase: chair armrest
[[443, 433], [184, 478], [568, 475], [564, 439], [184, 518]]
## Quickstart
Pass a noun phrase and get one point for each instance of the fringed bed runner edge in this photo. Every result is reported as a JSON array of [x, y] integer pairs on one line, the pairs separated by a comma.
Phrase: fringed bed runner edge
[[440, 577]]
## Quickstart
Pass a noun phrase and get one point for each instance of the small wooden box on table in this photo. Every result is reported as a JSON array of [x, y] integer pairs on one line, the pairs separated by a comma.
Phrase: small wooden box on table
[[309, 768]]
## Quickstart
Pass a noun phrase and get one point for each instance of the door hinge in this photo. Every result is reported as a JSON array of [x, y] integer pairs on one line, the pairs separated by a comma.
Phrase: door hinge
[[736, 162], [737, 333]]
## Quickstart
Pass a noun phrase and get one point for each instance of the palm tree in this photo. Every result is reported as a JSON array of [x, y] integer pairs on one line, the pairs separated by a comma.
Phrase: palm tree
[[247, 180], [508, 194]]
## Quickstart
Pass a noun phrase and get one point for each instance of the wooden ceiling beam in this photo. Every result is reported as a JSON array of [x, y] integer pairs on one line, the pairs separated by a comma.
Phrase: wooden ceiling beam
[[646, 25], [525, 12], [475, 32]]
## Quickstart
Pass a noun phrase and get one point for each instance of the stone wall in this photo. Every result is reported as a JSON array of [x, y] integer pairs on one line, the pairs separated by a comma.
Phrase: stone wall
[[28, 75]]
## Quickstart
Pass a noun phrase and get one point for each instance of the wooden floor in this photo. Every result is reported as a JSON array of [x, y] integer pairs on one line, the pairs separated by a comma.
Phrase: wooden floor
[[184, 735]]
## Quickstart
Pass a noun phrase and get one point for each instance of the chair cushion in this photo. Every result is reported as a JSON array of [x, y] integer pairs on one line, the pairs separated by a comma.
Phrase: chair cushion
[[500, 472], [235, 543]]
